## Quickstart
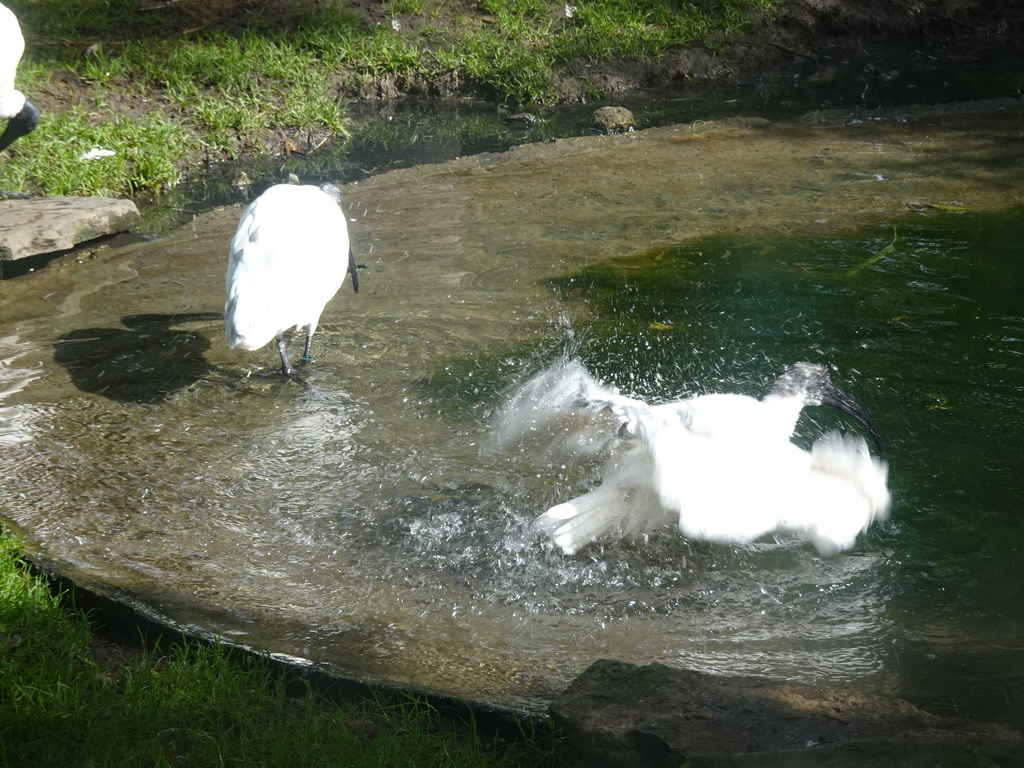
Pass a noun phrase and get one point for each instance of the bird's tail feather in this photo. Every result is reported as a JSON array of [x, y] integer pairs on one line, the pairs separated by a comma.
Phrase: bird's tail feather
[[231, 332], [574, 524], [846, 458], [624, 506]]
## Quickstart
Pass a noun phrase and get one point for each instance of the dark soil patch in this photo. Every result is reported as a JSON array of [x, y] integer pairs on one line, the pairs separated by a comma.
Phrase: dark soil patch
[[826, 40], [819, 39]]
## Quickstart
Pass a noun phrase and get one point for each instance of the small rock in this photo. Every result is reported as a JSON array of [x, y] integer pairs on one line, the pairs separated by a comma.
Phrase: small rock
[[522, 120], [613, 120], [823, 75]]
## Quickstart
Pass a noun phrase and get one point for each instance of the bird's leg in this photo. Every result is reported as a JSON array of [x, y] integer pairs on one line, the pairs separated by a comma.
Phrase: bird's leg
[[309, 343], [286, 367]]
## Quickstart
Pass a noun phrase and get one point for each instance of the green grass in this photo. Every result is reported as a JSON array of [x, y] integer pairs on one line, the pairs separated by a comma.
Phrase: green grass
[[147, 152], [193, 705], [166, 86]]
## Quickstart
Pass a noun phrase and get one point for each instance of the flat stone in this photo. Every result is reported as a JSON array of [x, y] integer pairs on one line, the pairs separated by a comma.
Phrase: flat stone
[[616, 715], [47, 224]]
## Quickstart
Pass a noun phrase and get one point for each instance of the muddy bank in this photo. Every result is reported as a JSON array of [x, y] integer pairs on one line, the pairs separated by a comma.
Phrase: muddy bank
[[817, 52], [621, 716], [818, 42]]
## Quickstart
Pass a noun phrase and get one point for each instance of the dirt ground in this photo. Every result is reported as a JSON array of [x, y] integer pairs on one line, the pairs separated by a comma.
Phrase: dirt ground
[[825, 40], [820, 39]]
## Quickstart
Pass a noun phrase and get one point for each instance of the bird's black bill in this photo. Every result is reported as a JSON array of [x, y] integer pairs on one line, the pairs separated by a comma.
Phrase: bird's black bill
[[352, 270], [22, 123], [836, 398]]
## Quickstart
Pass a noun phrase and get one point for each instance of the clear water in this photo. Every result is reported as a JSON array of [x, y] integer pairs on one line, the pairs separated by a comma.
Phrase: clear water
[[350, 517]]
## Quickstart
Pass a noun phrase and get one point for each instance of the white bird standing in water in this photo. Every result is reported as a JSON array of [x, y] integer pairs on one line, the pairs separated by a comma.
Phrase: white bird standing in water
[[720, 466], [22, 115], [288, 258]]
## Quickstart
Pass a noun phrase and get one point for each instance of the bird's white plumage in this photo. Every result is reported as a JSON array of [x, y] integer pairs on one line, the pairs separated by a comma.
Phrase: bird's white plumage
[[720, 466], [289, 257], [12, 46]]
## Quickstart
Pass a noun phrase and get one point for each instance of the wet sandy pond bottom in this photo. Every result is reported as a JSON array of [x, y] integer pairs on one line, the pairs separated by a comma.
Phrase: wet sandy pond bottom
[[351, 518]]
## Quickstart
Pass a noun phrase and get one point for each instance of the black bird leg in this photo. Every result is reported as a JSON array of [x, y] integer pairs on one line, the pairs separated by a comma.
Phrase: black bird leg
[[286, 367]]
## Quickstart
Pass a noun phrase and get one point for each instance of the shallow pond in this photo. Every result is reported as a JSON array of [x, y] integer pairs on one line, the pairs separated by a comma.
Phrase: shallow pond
[[349, 517]]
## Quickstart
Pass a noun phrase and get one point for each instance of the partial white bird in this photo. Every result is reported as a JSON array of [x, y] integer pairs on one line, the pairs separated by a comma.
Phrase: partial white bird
[[774, 417], [21, 114], [288, 258], [720, 466]]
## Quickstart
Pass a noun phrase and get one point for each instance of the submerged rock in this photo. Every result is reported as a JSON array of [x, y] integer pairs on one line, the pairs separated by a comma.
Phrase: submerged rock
[[613, 120], [522, 120], [616, 715]]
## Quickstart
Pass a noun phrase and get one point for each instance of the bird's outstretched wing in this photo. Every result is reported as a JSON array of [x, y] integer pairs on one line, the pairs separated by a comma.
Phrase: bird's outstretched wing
[[565, 409], [569, 413]]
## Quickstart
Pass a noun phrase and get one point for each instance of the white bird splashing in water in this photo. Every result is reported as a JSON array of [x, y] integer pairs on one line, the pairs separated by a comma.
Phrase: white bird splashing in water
[[721, 467]]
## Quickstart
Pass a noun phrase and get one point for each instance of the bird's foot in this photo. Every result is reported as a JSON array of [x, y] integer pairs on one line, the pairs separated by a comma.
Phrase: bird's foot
[[292, 370]]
